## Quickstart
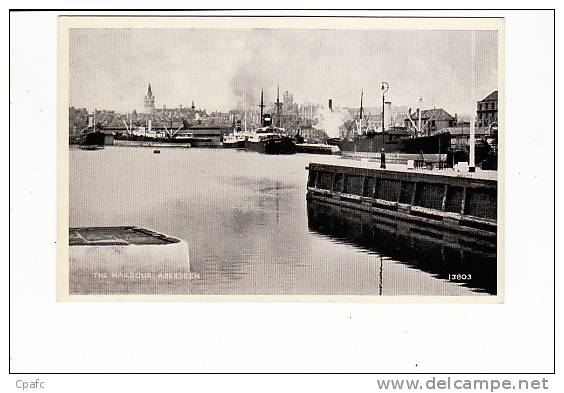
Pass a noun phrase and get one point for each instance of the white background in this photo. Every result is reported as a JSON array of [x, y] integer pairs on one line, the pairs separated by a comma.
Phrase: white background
[[47, 336]]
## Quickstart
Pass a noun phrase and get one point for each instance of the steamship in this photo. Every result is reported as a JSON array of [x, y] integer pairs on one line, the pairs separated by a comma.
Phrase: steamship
[[91, 138], [269, 139], [393, 140], [236, 139]]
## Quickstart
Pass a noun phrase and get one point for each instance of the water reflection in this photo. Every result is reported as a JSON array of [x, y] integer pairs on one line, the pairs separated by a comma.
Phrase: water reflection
[[446, 256], [249, 230]]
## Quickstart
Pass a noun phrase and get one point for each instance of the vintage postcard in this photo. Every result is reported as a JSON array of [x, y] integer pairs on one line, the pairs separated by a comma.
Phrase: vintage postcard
[[280, 159]]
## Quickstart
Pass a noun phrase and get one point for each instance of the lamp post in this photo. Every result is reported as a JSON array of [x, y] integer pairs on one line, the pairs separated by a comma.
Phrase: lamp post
[[384, 87]]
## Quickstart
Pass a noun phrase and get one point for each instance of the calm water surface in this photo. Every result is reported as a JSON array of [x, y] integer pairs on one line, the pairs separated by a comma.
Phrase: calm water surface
[[251, 231]]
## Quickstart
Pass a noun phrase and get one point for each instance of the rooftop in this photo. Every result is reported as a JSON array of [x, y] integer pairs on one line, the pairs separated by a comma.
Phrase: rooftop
[[491, 97], [435, 114]]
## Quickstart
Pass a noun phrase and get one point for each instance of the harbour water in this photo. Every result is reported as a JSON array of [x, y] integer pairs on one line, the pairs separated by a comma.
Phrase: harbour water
[[250, 230]]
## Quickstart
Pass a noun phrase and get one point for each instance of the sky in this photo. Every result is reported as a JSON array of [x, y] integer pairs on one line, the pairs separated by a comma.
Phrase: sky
[[225, 69]]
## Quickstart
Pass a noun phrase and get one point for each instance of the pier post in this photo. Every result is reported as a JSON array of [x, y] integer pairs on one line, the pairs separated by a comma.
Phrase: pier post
[[413, 196], [315, 179], [383, 159], [463, 201], [443, 204]]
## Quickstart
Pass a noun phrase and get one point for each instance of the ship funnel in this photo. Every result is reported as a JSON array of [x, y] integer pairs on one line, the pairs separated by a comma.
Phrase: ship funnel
[[267, 120]]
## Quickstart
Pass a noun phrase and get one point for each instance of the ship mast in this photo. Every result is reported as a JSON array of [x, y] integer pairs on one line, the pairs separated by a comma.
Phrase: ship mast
[[361, 112], [245, 113], [261, 106], [419, 120], [278, 105], [245, 119]]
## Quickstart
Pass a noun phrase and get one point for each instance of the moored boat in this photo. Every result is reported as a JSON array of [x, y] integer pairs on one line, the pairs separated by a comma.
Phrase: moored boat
[[192, 139], [92, 139], [269, 139], [236, 139], [395, 139], [317, 148]]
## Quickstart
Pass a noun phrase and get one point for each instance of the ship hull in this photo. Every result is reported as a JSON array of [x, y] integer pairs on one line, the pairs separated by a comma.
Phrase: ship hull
[[193, 141], [439, 143], [234, 145], [272, 146], [93, 139], [366, 145], [312, 148]]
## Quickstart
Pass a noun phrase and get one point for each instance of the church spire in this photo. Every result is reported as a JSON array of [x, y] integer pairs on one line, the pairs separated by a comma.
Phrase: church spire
[[149, 100]]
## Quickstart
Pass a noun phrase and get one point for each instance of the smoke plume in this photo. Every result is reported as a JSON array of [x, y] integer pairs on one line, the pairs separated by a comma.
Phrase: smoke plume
[[332, 121]]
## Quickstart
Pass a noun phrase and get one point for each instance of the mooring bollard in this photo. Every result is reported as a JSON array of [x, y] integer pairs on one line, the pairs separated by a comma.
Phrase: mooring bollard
[[383, 159]]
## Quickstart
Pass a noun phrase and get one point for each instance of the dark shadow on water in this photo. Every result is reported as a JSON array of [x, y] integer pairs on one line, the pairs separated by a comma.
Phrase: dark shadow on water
[[443, 254]]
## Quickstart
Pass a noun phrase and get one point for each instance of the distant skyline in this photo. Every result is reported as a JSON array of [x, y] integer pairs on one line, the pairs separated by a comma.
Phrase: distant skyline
[[225, 69]]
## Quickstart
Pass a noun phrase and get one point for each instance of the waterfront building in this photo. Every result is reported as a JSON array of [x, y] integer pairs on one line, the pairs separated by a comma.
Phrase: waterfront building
[[486, 112], [149, 101], [461, 135], [432, 120]]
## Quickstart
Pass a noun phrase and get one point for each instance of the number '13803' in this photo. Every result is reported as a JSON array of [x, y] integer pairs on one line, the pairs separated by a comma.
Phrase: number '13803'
[[460, 277]]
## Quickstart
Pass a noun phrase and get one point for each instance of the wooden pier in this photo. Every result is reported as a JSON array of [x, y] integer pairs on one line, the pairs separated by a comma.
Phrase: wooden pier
[[465, 204]]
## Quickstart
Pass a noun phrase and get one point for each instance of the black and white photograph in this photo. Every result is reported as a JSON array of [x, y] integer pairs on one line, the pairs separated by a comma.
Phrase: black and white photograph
[[282, 158], [282, 199]]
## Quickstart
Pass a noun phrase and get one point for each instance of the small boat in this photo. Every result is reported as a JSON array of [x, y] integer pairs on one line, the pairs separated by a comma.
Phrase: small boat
[[236, 139]]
